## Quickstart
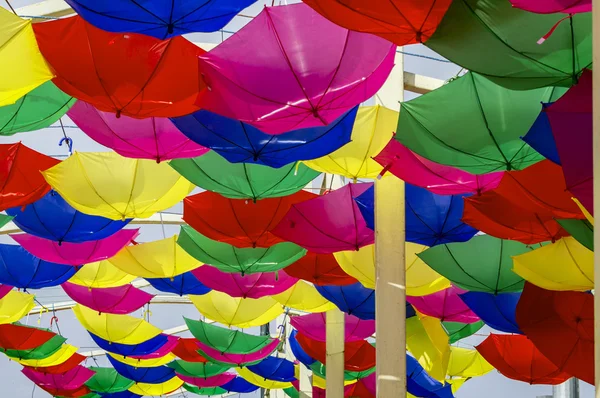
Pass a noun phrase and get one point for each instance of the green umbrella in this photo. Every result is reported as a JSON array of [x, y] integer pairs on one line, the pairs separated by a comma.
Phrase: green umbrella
[[494, 39], [108, 381], [291, 392], [206, 391], [43, 351], [483, 264], [473, 124], [457, 330], [232, 259], [320, 370], [36, 110], [4, 219], [581, 230], [197, 369], [241, 180]]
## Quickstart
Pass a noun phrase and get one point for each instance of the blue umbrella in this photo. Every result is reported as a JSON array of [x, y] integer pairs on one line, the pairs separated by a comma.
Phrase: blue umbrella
[[540, 137], [420, 384], [155, 375], [122, 394], [496, 311], [298, 352], [127, 350], [53, 218], [354, 299], [185, 283], [23, 270], [273, 368], [159, 18], [239, 142], [239, 385]]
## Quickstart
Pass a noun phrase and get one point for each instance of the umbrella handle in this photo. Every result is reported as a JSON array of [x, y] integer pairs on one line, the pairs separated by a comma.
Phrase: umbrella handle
[[68, 141]]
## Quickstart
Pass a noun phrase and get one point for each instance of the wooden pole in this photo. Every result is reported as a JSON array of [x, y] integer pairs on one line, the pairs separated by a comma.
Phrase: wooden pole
[[334, 378], [596, 149]]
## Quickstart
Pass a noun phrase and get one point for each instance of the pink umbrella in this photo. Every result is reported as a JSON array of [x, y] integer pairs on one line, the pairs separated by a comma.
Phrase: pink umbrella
[[553, 6], [436, 178], [247, 286], [313, 327], [445, 305], [151, 138], [76, 253], [290, 68], [238, 359], [112, 300], [70, 380], [213, 381], [4, 289], [167, 348], [328, 223]]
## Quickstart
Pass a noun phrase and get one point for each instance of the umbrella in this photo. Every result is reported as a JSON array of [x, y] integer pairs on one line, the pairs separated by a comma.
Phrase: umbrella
[[496, 311], [420, 384], [22, 270], [298, 352], [517, 358], [58, 363], [107, 381], [147, 347], [427, 341], [214, 381], [322, 70], [259, 381], [147, 389], [464, 362], [251, 285], [514, 61], [5, 219], [203, 370], [524, 206], [80, 392], [241, 142], [313, 327], [71, 380], [51, 217], [108, 185], [358, 355], [4, 290], [320, 371], [22, 337], [150, 138], [373, 129], [228, 258], [540, 138], [553, 6], [273, 368], [128, 74], [458, 330], [483, 264], [547, 317], [152, 360], [14, 306], [320, 269], [153, 375], [160, 19], [123, 394], [43, 351], [25, 68], [243, 180], [239, 222], [358, 389], [36, 110], [187, 349], [185, 283], [206, 391], [581, 230], [310, 224], [445, 305], [76, 254], [239, 385], [22, 182], [352, 299], [113, 300], [304, 297], [101, 274]]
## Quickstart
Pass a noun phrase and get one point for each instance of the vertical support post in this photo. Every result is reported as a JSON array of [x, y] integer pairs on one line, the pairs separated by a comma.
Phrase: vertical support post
[[334, 378], [265, 330], [596, 157]]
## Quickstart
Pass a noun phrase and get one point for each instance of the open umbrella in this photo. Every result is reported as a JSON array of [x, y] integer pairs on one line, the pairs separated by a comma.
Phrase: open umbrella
[[259, 381], [464, 362], [187, 349], [496, 311], [109, 185], [225, 357], [152, 360], [22, 337], [71, 380], [80, 392], [43, 351], [101, 274], [580, 230], [322, 70], [320, 371], [445, 305], [298, 351], [113, 300], [313, 327], [358, 355], [154, 375], [352, 299], [123, 394], [239, 385], [241, 142], [243, 180], [182, 284], [56, 361], [320, 269], [427, 341], [515, 61], [148, 389], [458, 330], [129, 74], [205, 391], [150, 138], [304, 297], [148, 347], [107, 381], [273, 368], [540, 138], [420, 384], [553, 6], [203, 370], [208, 382], [14, 306]]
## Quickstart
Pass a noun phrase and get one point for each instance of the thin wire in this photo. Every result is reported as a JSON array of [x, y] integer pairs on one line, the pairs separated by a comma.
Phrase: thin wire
[[11, 7], [162, 225]]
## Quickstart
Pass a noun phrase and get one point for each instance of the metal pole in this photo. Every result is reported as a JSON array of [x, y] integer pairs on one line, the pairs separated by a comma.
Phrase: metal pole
[[596, 151], [265, 330], [568, 389]]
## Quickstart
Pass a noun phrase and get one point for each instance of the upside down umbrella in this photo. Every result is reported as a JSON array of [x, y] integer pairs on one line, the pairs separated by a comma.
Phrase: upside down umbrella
[[187, 349], [313, 327], [496, 311], [304, 297], [43, 351], [108, 185], [22, 337], [320, 371], [352, 299], [464, 362], [129, 74], [457, 330], [72, 360], [274, 368], [445, 305], [259, 381], [208, 382], [239, 385], [148, 347], [185, 283], [71, 380], [154, 375], [554, 6], [298, 351], [581, 230], [358, 355], [148, 389], [113, 300], [107, 381], [320, 269], [14, 306], [203, 370], [101, 274], [152, 360], [420, 384], [427, 341]]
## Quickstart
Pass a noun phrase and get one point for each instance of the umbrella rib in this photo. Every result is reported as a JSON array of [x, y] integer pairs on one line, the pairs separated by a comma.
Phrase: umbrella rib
[[235, 191], [195, 10], [14, 115], [591, 280], [499, 266], [464, 270], [248, 180], [315, 227], [237, 220], [44, 225], [118, 17], [149, 12], [336, 71]]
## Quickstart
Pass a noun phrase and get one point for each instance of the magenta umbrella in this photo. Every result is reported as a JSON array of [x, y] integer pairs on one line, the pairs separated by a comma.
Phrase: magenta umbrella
[[4, 289], [247, 286], [290, 68], [70, 380], [164, 349], [445, 305], [238, 359], [112, 300], [213, 381], [552, 6], [151, 138], [313, 327], [76, 253]]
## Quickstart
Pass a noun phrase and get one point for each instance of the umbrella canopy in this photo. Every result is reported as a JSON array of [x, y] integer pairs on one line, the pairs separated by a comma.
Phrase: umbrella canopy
[[352, 299], [71, 380], [101, 274], [464, 362], [22, 337], [540, 138], [259, 381], [109, 185], [202, 370], [239, 385], [458, 330], [22, 182], [241, 142], [515, 61], [320, 269], [483, 264], [496, 311], [228, 258], [153, 360], [154, 375], [243, 180], [232, 359], [421, 384], [149, 346], [273, 368], [4, 219], [298, 351], [43, 351], [185, 283], [320, 371], [4, 290], [147, 389], [107, 381], [317, 79], [150, 138], [358, 355], [581, 230], [445, 305], [80, 392], [53, 218], [517, 358], [553, 6], [72, 360], [14, 306], [427, 341], [187, 349], [313, 327], [214, 381], [129, 74], [113, 300], [304, 297]]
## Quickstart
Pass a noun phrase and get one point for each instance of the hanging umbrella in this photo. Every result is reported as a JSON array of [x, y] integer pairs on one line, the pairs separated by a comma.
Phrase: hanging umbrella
[[71, 380], [319, 370], [320, 269], [101, 274], [517, 358], [553, 6], [514, 61], [322, 70], [313, 327], [185, 283], [108, 185], [427, 341], [129, 74], [241, 142], [259, 381], [239, 385], [228, 258], [207, 391], [581, 230], [214, 381], [524, 206], [113, 300], [76, 393], [76, 254], [123, 394], [419, 383], [445, 305], [352, 299], [43, 351], [22, 182], [464, 362], [298, 351], [540, 137], [304, 297], [458, 330], [153, 360], [56, 362], [146, 389], [496, 311], [14, 306], [358, 355], [107, 381], [153, 375], [4, 290], [187, 349], [561, 326], [22, 337], [72, 361], [149, 346], [202, 370], [273, 368], [243, 180], [483, 264]]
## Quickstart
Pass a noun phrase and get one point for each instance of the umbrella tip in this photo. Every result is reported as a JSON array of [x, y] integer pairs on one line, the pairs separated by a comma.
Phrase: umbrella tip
[[170, 28]]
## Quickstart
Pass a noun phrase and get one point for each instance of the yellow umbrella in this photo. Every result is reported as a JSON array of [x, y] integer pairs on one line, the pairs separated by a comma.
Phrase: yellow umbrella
[[65, 352], [467, 363], [427, 341], [144, 363], [23, 67], [456, 383], [236, 311], [109, 185], [159, 259], [563, 265], [14, 306], [260, 381], [146, 389], [373, 129], [586, 213], [304, 297], [123, 329], [101, 274], [321, 383]]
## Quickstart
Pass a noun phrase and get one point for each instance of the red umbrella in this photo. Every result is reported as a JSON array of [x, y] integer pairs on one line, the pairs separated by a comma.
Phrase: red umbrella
[[124, 73], [561, 326], [69, 364], [187, 349], [320, 269], [358, 355], [19, 337]]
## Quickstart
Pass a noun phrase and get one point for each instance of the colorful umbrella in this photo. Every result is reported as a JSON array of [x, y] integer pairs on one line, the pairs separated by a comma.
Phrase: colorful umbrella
[[153, 375], [298, 352], [304, 297], [107, 381], [108, 185], [513, 60], [313, 327], [22, 337], [185, 283], [457, 330], [358, 355], [58, 363], [113, 300], [273, 368], [581, 230], [43, 351], [261, 381], [80, 392], [239, 385], [241, 142], [101, 274], [207, 391], [322, 70], [129, 74], [232, 359], [203, 370], [320, 269], [445, 305], [420, 384], [320, 371], [553, 6], [123, 394], [147, 347], [214, 381], [464, 362], [71, 380], [147, 389], [496, 311], [4, 290], [187, 349], [352, 299], [14, 306], [427, 341], [540, 138], [153, 360]]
